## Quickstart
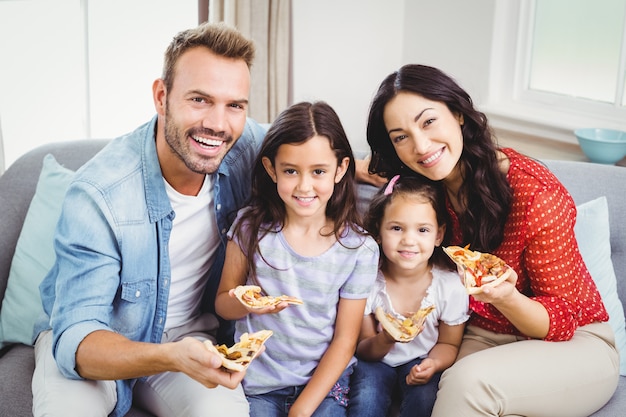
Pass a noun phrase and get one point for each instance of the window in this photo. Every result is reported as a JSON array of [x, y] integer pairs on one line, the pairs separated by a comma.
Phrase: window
[[73, 69], [577, 53], [558, 65]]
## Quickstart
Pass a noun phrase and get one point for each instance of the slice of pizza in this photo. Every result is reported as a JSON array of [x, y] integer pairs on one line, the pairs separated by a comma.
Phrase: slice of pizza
[[480, 269], [238, 356], [250, 296], [403, 329]]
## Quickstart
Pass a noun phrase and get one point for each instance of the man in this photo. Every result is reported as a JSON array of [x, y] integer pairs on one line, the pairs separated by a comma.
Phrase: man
[[140, 248]]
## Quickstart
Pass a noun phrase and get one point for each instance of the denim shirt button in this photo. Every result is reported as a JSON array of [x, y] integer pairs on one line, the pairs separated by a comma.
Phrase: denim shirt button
[[223, 231], [219, 207], [137, 293]]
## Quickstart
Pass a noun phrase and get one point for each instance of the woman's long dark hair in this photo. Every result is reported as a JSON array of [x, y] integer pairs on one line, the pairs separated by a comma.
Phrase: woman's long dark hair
[[266, 212], [485, 189]]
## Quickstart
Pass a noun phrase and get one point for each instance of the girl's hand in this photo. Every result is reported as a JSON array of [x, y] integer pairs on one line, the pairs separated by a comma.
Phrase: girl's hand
[[422, 373], [262, 310]]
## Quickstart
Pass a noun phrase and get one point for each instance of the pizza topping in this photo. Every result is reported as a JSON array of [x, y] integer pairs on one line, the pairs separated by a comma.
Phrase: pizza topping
[[239, 356], [250, 296], [403, 329], [479, 268]]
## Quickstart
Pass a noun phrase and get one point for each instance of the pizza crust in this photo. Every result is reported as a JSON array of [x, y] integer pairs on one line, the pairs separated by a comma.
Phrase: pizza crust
[[238, 357], [403, 330]]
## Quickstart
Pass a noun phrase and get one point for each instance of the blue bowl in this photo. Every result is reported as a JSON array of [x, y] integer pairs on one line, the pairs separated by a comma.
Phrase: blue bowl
[[603, 146]]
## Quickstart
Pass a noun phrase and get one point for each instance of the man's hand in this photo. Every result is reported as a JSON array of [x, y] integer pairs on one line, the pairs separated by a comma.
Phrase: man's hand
[[107, 355], [363, 175], [195, 360]]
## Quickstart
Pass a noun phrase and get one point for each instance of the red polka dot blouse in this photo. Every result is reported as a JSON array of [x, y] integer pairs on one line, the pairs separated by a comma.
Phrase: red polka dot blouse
[[540, 245]]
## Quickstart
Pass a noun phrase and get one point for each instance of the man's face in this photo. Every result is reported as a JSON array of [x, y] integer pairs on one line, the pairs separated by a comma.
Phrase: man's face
[[205, 109]]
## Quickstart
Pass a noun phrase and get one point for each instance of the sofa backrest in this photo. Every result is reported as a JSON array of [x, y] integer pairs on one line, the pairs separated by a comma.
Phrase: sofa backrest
[[17, 187], [586, 181]]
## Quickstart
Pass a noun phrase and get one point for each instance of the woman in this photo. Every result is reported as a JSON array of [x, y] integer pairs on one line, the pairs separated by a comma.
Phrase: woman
[[539, 343]]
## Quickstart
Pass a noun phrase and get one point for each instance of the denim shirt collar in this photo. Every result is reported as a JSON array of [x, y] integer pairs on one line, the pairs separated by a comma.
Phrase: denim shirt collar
[[157, 201]]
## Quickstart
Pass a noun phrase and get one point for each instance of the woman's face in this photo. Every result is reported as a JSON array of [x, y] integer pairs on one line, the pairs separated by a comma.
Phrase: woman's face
[[425, 134]]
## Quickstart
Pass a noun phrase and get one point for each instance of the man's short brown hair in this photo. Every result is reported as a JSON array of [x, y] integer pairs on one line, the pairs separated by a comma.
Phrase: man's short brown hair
[[220, 38]]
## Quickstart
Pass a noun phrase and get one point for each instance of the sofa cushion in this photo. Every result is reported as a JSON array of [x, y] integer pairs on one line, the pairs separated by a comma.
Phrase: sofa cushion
[[593, 237], [34, 255]]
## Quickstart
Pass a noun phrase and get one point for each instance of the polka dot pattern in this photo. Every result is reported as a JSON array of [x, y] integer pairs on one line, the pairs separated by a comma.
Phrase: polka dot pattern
[[540, 245]]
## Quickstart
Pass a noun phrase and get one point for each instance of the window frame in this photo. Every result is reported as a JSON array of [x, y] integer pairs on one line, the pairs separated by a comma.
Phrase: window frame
[[510, 106]]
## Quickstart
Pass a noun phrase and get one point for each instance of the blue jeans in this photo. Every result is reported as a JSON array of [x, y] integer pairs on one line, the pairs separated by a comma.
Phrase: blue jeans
[[277, 403], [373, 385]]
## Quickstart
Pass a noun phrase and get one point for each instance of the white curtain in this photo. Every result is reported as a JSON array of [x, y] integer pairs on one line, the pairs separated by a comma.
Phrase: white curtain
[[268, 24]]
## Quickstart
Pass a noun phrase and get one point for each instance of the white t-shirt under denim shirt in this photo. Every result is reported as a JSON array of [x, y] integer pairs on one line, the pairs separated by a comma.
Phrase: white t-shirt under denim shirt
[[193, 242]]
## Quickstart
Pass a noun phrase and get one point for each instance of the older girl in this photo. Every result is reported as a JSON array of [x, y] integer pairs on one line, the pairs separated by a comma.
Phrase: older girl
[[301, 237]]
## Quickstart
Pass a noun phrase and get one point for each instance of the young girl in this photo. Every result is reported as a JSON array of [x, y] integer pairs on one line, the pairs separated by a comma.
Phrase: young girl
[[300, 237], [408, 220]]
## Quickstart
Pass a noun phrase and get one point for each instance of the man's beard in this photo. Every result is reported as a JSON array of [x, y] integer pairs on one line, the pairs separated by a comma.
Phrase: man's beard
[[178, 142]]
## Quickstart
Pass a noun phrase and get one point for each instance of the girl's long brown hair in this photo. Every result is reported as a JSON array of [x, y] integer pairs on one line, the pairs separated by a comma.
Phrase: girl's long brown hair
[[266, 212], [485, 188]]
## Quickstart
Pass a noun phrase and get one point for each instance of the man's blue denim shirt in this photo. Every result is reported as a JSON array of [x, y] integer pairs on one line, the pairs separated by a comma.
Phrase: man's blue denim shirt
[[112, 269]]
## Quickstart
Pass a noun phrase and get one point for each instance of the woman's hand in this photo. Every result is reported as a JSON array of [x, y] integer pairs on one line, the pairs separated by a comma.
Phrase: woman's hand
[[363, 175], [501, 293], [529, 316], [195, 360]]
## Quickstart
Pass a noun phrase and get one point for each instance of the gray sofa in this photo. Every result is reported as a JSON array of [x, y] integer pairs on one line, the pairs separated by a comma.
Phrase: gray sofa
[[17, 185]]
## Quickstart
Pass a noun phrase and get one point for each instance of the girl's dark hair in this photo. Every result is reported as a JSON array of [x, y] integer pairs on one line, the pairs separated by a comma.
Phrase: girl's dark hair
[[414, 186], [266, 212], [485, 189]]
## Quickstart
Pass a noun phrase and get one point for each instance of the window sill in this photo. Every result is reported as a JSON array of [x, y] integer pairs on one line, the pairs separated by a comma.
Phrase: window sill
[[545, 136], [546, 123]]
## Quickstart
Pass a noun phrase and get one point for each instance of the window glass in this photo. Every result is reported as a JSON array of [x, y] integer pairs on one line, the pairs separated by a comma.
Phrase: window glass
[[576, 47]]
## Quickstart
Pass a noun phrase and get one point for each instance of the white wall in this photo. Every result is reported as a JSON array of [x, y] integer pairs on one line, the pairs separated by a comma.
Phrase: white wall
[[341, 52], [341, 57], [455, 36], [42, 86], [126, 56]]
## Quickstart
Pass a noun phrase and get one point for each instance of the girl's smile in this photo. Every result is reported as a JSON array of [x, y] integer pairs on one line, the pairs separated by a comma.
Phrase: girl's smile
[[305, 175]]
